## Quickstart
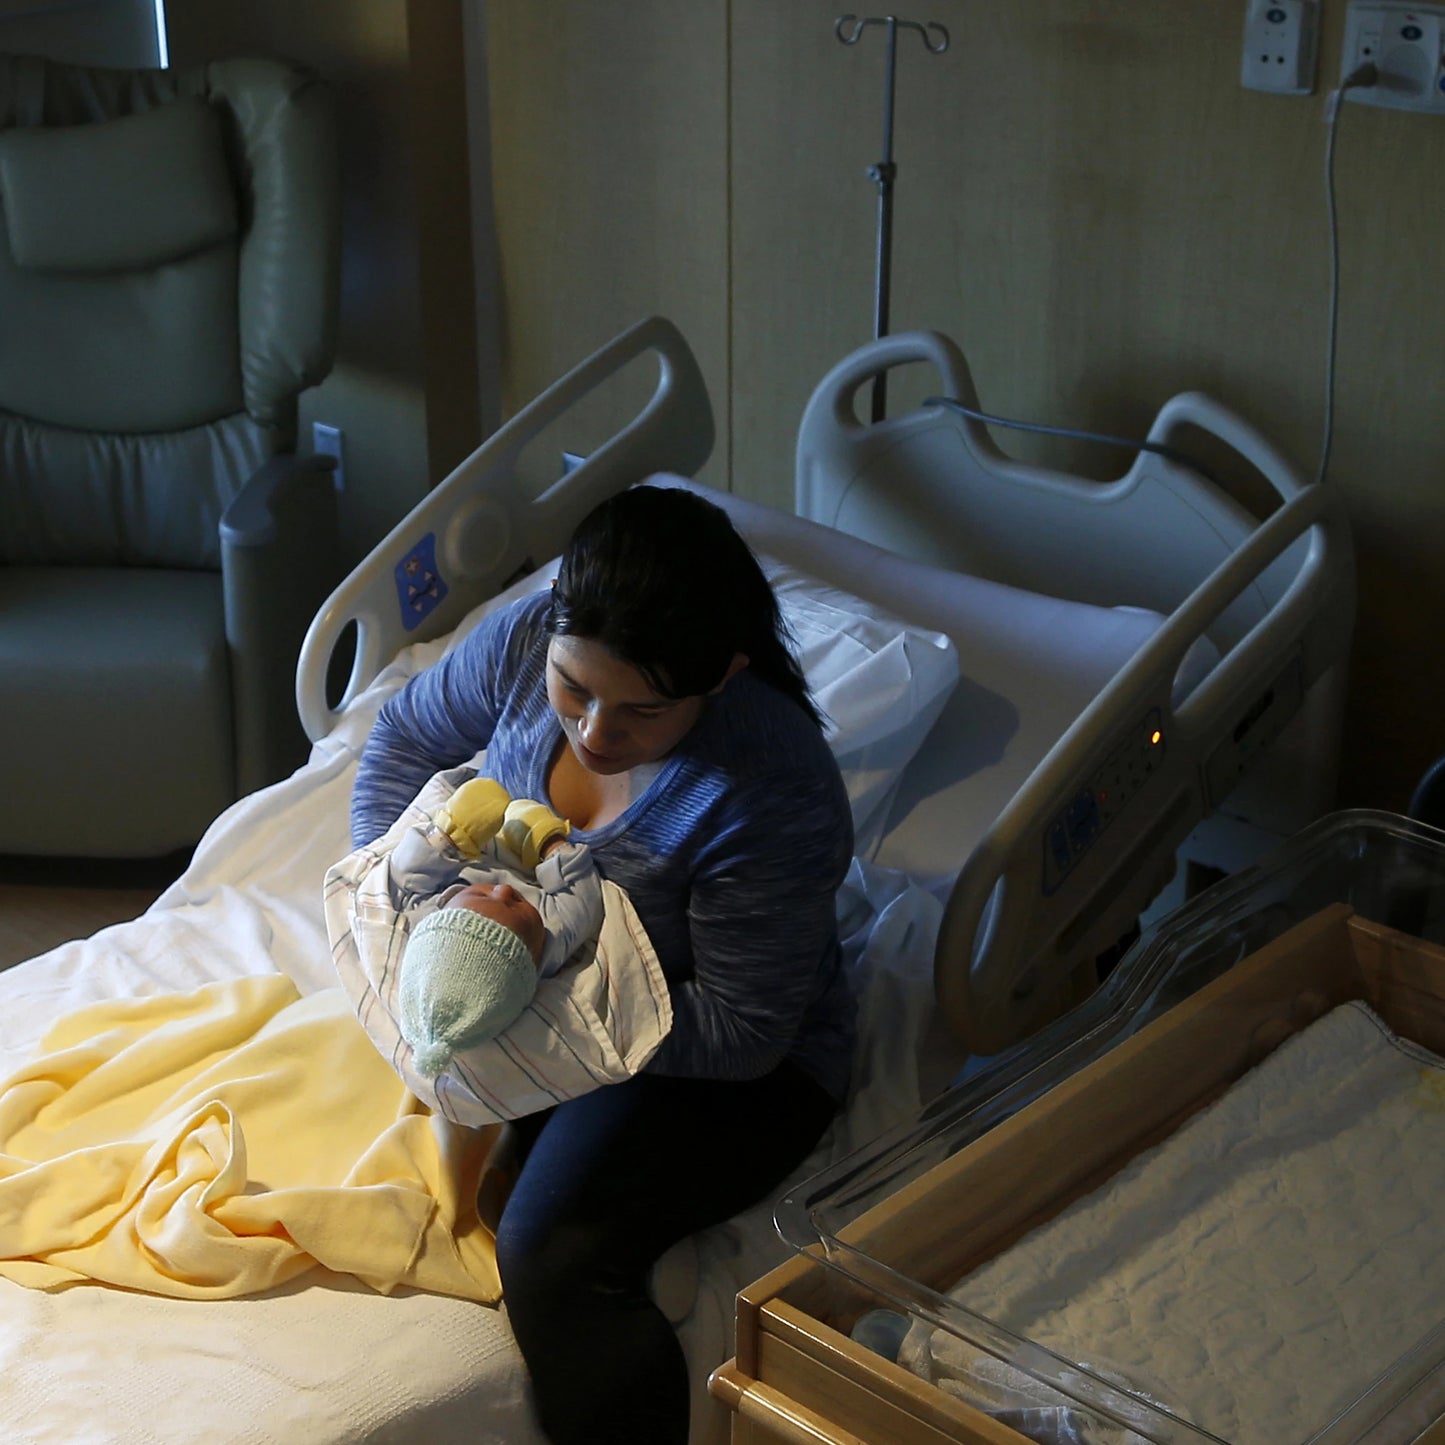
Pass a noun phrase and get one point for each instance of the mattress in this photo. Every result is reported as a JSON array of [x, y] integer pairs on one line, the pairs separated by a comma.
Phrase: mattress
[[326, 1360], [1026, 673], [1251, 1275]]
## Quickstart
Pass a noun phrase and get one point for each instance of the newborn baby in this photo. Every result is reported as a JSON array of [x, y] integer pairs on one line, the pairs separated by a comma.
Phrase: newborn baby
[[471, 964]]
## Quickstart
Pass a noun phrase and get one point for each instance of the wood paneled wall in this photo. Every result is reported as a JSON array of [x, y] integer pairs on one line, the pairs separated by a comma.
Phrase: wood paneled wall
[[1087, 201], [611, 183]]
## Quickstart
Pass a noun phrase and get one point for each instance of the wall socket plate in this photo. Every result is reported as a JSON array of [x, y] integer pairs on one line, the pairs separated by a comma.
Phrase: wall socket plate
[[1406, 45], [330, 441], [1281, 46]]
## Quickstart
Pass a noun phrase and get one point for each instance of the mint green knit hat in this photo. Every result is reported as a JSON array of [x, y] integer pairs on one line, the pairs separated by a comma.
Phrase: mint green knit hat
[[464, 978]]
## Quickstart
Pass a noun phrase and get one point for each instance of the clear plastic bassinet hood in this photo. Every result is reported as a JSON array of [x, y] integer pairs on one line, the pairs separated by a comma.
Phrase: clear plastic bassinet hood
[[1208, 965]]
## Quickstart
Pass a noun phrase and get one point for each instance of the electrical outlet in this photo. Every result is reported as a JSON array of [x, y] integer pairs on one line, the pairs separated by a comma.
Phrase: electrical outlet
[[1406, 45], [330, 441], [1281, 42]]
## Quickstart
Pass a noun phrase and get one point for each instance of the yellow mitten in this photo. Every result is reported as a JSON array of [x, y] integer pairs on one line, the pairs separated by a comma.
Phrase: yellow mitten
[[529, 827], [473, 814]]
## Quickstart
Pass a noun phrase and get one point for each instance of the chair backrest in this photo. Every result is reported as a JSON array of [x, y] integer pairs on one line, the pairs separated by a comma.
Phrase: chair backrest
[[169, 253]]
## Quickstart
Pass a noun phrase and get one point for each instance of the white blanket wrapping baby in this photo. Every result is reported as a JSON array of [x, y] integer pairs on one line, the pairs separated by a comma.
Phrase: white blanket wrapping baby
[[595, 1022]]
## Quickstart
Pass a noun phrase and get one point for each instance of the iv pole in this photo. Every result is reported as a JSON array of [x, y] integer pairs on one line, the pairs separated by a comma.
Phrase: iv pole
[[935, 41]]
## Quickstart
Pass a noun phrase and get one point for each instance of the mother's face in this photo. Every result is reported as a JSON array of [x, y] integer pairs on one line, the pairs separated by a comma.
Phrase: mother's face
[[612, 717]]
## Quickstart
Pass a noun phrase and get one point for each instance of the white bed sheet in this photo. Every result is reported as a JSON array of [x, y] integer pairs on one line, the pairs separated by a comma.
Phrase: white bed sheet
[[325, 1359], [1029, 665], [348, 1362]]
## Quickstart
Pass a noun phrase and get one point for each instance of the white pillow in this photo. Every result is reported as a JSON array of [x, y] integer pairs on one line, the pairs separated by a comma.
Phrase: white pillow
[[880, 682]]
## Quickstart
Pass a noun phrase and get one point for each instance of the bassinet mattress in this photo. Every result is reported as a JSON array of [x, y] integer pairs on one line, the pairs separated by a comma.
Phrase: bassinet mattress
[[1253, 1273]]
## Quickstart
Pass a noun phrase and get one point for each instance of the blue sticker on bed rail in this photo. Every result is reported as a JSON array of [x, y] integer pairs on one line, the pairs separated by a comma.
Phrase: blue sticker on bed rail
[[419, 586]]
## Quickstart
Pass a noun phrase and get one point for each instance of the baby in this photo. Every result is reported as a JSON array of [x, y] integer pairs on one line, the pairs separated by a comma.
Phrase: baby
[[471, 965]]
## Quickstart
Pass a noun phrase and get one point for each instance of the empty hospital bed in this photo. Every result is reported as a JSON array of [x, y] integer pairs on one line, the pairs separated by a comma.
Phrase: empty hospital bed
[[1036, 686]]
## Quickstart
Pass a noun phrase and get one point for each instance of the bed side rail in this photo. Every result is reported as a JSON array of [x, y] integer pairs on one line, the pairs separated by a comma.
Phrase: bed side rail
[[1039, 899], [474, 532]]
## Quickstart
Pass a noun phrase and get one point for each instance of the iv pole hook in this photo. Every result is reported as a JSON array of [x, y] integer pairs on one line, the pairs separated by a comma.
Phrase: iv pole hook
[[849, 30]]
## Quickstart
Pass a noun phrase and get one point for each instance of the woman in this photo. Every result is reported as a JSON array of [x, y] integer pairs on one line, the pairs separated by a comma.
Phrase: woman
[[652, 701]]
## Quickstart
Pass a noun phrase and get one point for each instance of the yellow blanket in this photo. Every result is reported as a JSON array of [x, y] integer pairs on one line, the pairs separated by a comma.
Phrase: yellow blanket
[[217, 1143]]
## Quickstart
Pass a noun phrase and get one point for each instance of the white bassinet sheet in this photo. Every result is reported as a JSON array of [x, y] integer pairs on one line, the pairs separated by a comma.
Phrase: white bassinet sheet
[[1254, 1273]]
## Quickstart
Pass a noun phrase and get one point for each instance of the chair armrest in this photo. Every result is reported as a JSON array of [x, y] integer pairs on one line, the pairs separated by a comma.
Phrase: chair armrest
[[251, 519], [279, 562]]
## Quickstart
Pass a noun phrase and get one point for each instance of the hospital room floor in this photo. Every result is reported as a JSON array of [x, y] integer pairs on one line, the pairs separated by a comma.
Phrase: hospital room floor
[[48, 901]]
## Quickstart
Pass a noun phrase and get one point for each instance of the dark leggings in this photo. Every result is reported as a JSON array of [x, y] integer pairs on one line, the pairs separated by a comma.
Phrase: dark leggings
[[610, 1182]]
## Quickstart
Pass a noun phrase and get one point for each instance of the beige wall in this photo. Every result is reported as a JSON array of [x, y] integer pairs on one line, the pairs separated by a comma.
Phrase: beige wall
[[404, 389], [610, 183], [1087, 201]]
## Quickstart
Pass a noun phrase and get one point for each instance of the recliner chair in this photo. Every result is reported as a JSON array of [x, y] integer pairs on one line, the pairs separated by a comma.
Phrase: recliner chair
[[169, 279]]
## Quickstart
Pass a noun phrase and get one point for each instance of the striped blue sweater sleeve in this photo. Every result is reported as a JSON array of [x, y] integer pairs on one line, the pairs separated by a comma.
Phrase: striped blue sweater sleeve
[[761, 915], [441, 718]]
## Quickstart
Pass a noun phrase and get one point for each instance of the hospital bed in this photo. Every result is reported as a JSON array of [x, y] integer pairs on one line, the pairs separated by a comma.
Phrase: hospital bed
[[1036, 687], [1126, 650]]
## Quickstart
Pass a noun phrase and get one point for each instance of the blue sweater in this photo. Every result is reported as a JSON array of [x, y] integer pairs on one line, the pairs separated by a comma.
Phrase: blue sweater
[[732, 856]]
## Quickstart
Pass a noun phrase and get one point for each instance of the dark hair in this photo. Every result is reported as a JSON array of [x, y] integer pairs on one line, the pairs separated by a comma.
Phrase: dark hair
[[660, 577]]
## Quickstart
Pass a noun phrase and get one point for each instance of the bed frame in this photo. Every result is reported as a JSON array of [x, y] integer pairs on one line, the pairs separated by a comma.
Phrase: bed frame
[[1074, 858], [1081, 848]]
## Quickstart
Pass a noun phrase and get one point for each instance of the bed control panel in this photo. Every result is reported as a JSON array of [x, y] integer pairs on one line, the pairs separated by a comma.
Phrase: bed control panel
[[1082, 821], [420, 586]]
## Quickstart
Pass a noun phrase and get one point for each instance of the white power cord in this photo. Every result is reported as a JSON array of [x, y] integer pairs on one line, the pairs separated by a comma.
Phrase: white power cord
[[1362, 76]]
